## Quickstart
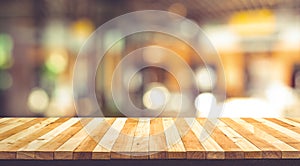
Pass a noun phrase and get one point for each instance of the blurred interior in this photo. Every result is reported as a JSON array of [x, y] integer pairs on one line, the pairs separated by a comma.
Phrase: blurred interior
[[258, 42]]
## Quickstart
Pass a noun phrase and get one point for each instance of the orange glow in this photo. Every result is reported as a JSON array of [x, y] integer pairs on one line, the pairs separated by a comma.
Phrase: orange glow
[[253, 23], [82, 28]]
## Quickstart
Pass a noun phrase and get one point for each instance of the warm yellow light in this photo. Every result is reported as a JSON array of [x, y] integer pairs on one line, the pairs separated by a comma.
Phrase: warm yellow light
[[291, 37], [222, 37], [206, 78], [61, 102], [253, 23], [82, 28], [57, 61], [38, 100], [156, 97]]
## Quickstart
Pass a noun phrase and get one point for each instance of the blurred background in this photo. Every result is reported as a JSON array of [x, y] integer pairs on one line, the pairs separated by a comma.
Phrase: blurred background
[[258, 42]]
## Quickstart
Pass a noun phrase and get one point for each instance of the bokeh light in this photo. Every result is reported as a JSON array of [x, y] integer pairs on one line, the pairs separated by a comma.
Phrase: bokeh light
[[57, 61], [206, 78], [156, 97], [257, 42], [204, 103], [38, 100], [6, 46]]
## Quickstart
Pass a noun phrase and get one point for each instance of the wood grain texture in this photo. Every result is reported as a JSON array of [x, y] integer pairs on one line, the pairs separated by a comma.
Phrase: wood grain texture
[[28, 151], [13, 147], [122, 147], [140, 144], [193, 147], [268, 150], [250, 150], [175, 145], [145, 138], [65, 151], [280, 136], [105, 144], [231, 150], [94, 135], [157, 140], [212, 148]]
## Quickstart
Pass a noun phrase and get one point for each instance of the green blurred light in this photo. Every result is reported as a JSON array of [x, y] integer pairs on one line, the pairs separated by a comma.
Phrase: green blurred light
[[6, 45], [3, 57], [57, 62]]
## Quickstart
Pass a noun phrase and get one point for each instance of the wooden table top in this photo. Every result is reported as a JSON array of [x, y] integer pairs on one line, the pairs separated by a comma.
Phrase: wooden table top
[[144, 138]]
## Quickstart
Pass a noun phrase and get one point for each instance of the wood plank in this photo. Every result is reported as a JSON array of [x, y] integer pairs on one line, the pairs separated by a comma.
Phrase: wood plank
[[213, 149], [232, 151], [12, 127], [46, 151], [17, 126], [6, 131], [280, 128], [175, 145], [287, 153], [145, 138], [86, 147], [157, 140], [13, 148], [294, 119], [122, 147], [27, 152], [293, 153], [5, 121], [104, 146], [268, 150], [250, 150], [13, 138], [140, 145], [291, 122], [285, 124], [5, 143], [11, 123], [65, 151], [194, 149]]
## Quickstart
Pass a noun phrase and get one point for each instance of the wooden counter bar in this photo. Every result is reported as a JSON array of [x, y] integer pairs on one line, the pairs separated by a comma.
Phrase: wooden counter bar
[[145, 138]]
